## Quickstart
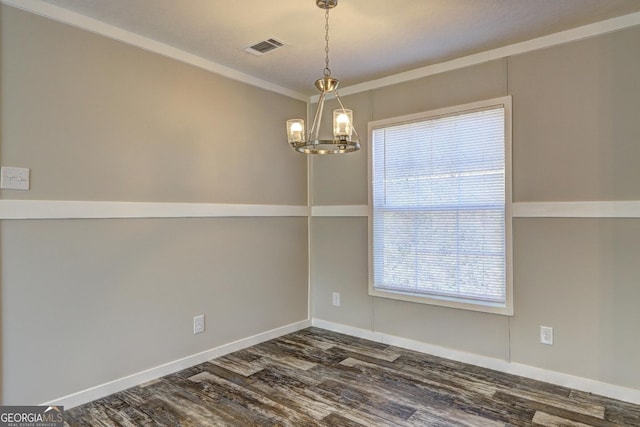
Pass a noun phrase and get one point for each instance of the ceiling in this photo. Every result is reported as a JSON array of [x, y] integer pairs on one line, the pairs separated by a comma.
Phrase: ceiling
[[369, 39]]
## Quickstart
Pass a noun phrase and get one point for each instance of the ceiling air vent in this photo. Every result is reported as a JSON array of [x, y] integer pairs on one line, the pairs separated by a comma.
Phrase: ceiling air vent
[[265, 46]]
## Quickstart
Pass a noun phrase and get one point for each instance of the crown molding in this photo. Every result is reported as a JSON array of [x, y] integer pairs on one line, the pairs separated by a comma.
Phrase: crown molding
[[567, 36], [59, 14], [95, 26]]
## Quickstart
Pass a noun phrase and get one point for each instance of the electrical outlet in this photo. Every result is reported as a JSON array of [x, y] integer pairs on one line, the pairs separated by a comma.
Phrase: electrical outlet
[[546, 335], [336, 299], [198, 324]]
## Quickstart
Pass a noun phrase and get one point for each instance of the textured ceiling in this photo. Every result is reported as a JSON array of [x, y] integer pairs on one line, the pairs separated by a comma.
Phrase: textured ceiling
[[369, 39]]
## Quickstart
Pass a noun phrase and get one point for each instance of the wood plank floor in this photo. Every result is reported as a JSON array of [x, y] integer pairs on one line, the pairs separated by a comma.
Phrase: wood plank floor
[[319, 378]]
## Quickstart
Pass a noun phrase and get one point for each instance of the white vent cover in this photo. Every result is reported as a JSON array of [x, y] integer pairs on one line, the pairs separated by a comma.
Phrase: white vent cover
[[265, 46]]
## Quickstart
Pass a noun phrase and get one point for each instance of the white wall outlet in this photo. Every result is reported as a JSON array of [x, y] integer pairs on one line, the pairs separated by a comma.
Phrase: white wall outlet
[[546, 335], [14, 178], [198, 324], [336, 299]]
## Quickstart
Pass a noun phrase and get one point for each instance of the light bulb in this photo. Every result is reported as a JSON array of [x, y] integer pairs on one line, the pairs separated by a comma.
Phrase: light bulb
[[342, 124], [295, 130]]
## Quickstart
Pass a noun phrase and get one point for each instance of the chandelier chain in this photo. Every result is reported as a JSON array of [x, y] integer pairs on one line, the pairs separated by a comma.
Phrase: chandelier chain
[[327, 70]]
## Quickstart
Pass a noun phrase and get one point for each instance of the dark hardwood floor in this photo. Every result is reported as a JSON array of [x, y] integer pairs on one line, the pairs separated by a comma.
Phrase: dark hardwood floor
[[315, 377]]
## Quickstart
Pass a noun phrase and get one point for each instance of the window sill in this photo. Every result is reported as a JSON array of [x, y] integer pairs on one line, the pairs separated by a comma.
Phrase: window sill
[[491, 308]]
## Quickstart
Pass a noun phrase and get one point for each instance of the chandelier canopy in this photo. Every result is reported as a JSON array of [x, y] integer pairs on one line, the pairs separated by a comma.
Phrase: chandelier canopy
[[345, 137]]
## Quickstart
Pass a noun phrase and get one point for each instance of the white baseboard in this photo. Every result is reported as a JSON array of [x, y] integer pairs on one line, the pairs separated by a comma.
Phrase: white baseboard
[[577, 383], [138, 378], [557, 378]]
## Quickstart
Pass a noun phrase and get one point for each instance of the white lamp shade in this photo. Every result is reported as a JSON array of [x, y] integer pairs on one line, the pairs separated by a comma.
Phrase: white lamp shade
[[342, 124], [295, 130]]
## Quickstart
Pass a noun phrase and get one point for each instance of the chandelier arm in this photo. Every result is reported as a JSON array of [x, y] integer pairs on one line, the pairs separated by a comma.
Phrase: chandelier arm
[[315, 127]]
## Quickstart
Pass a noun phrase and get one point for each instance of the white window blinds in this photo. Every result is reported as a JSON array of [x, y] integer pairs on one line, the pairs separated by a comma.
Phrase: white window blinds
[[438, 206]]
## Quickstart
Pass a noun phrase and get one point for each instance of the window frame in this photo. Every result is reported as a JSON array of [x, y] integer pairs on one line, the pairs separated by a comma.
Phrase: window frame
[[457, 303]]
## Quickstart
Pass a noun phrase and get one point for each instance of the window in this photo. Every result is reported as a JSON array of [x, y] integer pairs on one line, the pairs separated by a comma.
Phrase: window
[[440, 207]]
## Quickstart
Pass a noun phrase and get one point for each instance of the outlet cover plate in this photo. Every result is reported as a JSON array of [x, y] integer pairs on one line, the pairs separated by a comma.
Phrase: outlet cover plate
[[14, 178], [198, 324], [546, 335], [336, 299]]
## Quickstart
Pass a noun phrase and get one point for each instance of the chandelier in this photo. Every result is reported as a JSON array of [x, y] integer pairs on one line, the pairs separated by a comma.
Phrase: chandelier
[[345, 137]]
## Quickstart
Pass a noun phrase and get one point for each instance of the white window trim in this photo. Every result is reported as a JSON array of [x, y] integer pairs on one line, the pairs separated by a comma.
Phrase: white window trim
[[507, 308]]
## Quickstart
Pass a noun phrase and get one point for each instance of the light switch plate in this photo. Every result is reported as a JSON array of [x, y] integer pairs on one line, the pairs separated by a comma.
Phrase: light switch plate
[[14, 178]]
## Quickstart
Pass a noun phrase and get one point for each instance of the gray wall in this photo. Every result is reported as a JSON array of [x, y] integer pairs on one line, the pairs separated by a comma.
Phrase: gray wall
[[88, 301], [575, 138]]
